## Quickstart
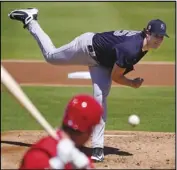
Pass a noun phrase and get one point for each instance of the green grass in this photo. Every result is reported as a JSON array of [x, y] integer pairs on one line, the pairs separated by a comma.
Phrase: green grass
[[63, 21], [155, 106]]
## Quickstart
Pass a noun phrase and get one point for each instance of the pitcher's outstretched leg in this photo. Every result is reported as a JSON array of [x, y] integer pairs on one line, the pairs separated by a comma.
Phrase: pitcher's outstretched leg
[[73, 53]]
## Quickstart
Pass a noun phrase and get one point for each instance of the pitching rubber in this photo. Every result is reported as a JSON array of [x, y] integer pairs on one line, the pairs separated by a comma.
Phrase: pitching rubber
[[79, 75]]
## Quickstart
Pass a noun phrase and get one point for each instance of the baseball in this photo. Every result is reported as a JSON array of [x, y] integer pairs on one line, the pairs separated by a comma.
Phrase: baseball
[[133, 120]]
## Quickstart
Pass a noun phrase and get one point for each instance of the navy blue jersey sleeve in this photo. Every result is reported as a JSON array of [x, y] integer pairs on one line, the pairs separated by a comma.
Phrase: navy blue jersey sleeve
[[124, 57], [124, 54], [127, 70]]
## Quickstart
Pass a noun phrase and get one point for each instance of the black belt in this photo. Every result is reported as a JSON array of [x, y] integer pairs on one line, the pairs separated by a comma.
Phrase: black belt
[[92, 52]]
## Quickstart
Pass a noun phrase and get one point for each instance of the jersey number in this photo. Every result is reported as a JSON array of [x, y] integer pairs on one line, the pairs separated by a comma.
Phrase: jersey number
[[125, 32]]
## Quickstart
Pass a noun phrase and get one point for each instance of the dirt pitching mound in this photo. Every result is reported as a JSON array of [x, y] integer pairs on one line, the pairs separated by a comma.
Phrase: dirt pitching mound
[[123, 150]]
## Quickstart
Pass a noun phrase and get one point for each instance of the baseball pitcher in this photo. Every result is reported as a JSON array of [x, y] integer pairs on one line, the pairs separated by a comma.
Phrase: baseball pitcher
[[109, 56]]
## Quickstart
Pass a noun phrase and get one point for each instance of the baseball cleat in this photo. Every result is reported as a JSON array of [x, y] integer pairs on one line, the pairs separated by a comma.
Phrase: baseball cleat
[[24, 15], [97, 155]]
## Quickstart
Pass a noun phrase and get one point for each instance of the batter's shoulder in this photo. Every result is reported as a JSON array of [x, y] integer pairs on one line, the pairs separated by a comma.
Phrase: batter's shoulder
[[46, 143]]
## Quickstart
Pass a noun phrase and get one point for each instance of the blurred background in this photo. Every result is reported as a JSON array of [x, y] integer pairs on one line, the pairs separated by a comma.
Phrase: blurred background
[[63, 21]]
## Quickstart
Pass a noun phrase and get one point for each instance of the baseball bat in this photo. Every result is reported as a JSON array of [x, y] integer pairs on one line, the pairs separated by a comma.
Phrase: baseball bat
[[18, 93]]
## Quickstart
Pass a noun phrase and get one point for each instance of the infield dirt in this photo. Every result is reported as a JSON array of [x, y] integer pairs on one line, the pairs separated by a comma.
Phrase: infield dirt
[[123, 150]]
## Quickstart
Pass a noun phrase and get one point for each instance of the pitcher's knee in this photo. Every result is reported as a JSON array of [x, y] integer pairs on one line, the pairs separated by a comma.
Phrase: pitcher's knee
[[48, 56], [98, 97], [52, 59]]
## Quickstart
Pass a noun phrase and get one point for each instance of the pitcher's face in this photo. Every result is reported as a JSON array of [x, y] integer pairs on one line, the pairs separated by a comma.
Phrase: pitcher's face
[[154, 40]]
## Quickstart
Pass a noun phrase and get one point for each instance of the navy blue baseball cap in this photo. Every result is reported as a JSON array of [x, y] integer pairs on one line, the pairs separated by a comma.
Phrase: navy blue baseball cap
[[157, 27]]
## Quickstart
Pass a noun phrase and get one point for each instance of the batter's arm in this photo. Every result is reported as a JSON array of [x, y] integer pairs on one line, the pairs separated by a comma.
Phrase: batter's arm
[[118, 76]]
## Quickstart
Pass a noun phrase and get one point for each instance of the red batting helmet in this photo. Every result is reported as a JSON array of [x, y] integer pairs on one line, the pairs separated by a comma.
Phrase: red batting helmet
[[82, 113]]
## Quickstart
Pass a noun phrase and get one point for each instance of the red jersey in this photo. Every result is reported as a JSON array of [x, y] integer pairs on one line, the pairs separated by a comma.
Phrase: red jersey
[[38, 156]]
